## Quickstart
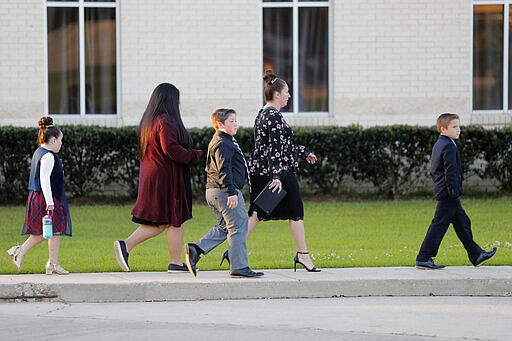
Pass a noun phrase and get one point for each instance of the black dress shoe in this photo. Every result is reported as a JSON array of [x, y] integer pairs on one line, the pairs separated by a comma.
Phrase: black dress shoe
[[245, 272], [428, 265], [192, 256], [176, 268], [484, 256]]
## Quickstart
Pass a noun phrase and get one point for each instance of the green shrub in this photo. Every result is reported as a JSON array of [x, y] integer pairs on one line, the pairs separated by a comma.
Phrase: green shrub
[[16, 148], [95, 157], [394, 159]]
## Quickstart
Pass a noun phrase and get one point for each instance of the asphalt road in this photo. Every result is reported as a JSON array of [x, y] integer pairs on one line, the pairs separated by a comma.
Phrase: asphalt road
[[345, 318]]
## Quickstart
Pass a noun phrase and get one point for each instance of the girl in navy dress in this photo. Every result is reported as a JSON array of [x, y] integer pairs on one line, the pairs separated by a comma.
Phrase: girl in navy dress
[[46, 196]]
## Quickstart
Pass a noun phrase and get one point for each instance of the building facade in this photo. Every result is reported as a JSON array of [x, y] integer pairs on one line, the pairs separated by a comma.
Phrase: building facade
[[366, 62]]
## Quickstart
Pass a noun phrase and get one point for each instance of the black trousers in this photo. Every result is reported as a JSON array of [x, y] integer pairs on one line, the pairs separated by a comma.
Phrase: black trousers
[[448, 211]]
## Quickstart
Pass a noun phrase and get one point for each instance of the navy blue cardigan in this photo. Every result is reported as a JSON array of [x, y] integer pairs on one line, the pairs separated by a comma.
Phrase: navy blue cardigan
[[56, 178]]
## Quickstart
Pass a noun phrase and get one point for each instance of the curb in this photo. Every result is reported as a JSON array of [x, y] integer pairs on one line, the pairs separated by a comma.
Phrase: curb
[[276, 284]]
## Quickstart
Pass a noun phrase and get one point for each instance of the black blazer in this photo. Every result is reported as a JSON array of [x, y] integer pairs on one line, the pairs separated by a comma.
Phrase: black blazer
[[446, 168], [225, 164]]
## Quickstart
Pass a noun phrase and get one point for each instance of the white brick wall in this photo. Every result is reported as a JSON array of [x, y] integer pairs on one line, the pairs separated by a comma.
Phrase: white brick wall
[[209, 49], [393, 61], [401, 61], [21, 62]]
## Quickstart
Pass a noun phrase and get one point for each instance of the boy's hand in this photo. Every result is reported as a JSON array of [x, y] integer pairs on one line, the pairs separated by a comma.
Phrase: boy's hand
[[232, 201]]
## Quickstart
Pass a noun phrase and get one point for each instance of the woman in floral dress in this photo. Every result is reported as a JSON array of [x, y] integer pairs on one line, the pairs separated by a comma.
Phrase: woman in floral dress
[[274, 162]]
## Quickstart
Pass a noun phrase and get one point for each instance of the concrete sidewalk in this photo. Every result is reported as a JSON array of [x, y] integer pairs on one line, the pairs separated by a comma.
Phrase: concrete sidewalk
[[217, 285]]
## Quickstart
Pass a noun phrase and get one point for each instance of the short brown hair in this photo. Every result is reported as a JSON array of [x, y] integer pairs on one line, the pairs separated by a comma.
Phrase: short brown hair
[[444, 119], [221, 115]]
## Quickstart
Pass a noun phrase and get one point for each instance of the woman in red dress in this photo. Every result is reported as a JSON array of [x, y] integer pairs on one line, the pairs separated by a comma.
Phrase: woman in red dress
[[164, 200]]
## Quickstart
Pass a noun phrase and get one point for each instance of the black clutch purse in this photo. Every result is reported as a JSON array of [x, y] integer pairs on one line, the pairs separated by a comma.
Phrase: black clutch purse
[[268, 200]]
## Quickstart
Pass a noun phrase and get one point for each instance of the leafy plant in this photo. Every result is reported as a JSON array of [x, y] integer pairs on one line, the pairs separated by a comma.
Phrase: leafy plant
[[393, 159]]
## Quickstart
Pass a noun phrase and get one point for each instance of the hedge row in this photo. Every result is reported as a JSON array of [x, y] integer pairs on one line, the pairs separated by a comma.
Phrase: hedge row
[[394, 159]]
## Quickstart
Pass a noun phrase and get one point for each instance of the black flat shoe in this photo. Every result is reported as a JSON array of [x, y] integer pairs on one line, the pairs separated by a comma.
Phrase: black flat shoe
[[192, 257], [429, 265], [484, 256], [224, 256], [245, 272], [297, 261]]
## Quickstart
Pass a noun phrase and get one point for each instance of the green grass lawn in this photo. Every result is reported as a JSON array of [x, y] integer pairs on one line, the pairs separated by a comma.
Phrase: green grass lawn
[[339, 234]]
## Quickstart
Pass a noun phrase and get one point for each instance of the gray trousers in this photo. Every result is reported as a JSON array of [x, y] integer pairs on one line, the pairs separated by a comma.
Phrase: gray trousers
[[232, 226]]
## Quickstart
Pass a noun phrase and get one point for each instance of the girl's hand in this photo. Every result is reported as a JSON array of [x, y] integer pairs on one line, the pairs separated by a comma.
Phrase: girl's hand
[[311, 158], [276, 185], [50, 208]]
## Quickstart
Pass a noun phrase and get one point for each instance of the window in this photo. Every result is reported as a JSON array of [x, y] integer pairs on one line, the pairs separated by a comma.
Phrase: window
[[491, 56], [82, 68], [296, 47]]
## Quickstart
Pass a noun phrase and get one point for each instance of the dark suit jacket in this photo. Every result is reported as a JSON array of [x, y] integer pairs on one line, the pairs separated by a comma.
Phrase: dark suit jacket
[[446, 169], [225, 164]]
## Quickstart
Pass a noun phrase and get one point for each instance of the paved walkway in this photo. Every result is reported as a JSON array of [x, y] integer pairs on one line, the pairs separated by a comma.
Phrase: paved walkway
[[217, 285], [413, 318]]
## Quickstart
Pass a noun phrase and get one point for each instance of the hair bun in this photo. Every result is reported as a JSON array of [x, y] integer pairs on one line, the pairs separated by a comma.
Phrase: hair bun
[[269, 76], [45, 122]]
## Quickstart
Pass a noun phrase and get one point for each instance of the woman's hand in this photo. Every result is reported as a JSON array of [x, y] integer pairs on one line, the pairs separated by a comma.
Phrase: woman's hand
[[50, 207], [311, 158], [276, 185], [232, 201]]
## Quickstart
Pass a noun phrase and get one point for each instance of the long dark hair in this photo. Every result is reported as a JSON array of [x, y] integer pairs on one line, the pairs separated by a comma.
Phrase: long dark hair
[[165, 100]]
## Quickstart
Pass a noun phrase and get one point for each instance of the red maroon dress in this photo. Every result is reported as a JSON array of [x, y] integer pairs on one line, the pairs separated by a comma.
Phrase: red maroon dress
[[164, 182]]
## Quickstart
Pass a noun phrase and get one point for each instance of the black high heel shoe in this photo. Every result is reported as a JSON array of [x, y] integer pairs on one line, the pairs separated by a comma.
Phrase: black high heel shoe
[[296, 260], [224, 256]]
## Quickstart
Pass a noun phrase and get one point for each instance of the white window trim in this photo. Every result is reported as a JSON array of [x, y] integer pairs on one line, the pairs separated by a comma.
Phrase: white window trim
[[295, 4], [81, 4], [506, 8]]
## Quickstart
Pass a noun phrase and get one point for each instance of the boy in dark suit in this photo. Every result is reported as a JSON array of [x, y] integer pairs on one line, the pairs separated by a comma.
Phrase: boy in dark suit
[[446, 171]]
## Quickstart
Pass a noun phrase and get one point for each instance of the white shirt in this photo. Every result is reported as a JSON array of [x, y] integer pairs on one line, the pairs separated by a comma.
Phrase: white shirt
[[47, 163]]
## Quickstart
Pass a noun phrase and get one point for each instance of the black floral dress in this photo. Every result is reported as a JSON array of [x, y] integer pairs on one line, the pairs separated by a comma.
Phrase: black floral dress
[[276, 156]]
